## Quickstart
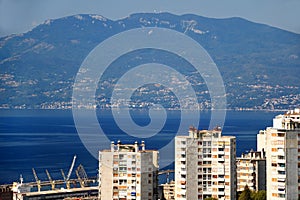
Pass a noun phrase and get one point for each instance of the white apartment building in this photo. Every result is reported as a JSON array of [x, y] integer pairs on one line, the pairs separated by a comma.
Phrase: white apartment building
[[205, 165], [128, 172], [281, 143], [251, 171]]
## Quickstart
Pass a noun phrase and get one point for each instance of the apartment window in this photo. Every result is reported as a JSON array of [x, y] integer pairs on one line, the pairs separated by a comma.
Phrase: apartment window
[[281, 157], [274, 149], [280, 134], [122, 169], [209, 177]]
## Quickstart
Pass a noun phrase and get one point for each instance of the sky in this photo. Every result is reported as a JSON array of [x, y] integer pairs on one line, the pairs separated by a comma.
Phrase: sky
[[19, 16]]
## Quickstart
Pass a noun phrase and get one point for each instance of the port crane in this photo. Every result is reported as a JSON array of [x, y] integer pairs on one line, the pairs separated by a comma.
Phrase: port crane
[[81, 175], [50, 180], [67, 178], [38, 182], [167, 172]]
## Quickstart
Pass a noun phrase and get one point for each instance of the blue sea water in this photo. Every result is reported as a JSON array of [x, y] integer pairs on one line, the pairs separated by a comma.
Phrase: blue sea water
[[48, 139]]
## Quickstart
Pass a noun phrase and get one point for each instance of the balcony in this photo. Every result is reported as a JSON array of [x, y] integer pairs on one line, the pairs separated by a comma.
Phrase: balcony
[[281, 180], [182, 171], [182, 166], [281, 191], [281, 176], [281, 187], [221, 179], [182, 192], [207, 159], [280, 152], [250, 184], [280, 168], [281, 183], [221, 152], [182, 186]]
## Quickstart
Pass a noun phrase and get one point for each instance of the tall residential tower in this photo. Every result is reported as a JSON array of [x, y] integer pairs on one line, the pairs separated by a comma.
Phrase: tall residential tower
[[128, 172], [281, 143], [205, 165]]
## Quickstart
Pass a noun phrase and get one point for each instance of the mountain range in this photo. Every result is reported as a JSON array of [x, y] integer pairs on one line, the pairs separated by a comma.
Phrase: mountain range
[[259, 64]]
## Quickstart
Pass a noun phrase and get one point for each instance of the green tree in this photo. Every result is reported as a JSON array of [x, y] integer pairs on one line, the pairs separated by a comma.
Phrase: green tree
[[260, 195], [246, 194]]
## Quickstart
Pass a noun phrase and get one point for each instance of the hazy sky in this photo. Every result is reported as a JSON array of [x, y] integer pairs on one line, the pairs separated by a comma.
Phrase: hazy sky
[[17, 16]]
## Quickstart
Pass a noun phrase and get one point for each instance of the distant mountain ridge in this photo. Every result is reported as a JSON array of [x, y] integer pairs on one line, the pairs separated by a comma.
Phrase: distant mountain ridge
[[260, 64]]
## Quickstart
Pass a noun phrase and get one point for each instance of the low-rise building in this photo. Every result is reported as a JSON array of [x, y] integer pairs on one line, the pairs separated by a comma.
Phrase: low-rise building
[[251, 171]]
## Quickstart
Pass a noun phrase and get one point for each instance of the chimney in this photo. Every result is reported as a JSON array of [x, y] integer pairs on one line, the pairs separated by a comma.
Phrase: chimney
[[119, 143], [143, 145], [136, 146], [112, 146]]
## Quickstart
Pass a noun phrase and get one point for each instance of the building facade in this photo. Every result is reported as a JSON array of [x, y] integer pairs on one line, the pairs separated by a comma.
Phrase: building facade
[[205, 165], [251, 171], [281, 143], [168, 190], [128, 172]]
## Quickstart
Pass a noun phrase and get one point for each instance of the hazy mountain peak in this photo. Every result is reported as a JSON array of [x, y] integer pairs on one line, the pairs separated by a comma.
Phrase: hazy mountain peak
[[250, 57]]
